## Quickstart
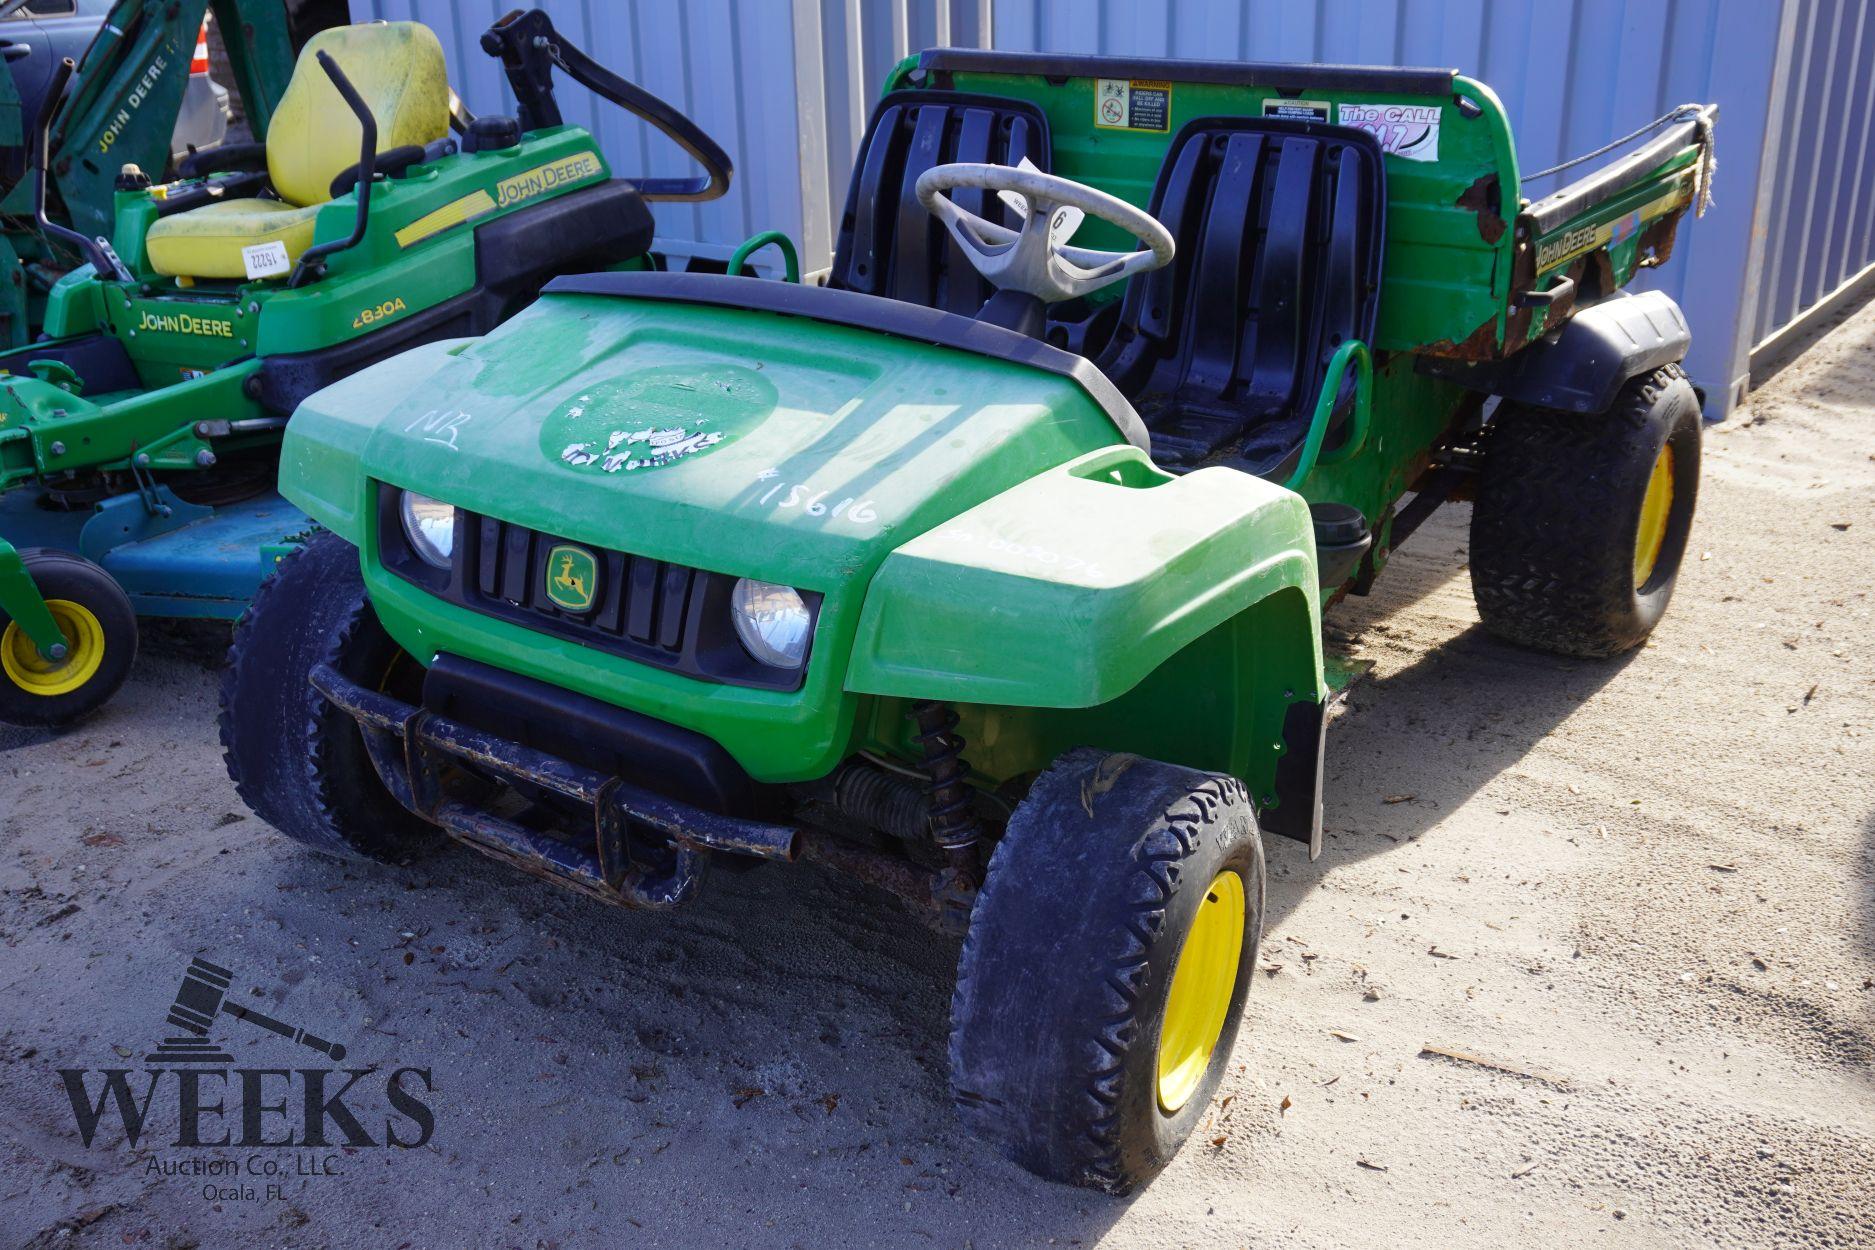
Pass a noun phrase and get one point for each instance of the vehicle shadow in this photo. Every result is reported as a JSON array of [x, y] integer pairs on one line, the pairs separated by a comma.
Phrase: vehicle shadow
[[1415, 744], [1433, 724], [767, 1065]]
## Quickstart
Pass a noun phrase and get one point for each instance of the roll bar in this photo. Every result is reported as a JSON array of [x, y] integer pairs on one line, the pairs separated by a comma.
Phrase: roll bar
[[529, 48]]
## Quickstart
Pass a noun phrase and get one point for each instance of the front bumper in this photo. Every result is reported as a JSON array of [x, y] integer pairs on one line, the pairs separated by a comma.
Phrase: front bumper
[[647, 850]]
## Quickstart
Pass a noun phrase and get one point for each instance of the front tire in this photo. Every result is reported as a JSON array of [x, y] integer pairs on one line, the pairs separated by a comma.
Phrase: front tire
[[100, 630], [296, 760], [1582, 518], [1103, 977]]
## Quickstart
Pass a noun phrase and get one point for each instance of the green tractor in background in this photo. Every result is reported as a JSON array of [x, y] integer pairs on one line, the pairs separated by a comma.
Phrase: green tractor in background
[[140, 437], [125, 94], [134, 97], [992, 571]]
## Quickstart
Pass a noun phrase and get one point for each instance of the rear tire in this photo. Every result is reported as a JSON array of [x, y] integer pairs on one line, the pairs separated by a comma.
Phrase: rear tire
[[1115, 874], [100, 629], [296, 760], [1582, 518]]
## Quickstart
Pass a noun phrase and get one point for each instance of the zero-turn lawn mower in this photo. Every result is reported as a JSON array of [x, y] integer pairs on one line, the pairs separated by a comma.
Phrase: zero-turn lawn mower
[[140, 437], [992, 570]]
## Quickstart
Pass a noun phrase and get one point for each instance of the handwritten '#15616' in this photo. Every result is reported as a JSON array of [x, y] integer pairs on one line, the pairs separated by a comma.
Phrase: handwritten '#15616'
[[814, 502]]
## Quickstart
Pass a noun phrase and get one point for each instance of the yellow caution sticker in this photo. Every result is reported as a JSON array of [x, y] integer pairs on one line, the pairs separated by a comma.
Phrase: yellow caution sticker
[[1133, 104]]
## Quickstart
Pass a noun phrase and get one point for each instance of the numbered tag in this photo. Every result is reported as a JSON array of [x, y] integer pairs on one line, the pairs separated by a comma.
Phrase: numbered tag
[[1067, 220], [266, 260]]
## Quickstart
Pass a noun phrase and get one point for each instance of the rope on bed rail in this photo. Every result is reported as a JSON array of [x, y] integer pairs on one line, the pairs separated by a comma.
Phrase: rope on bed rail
[[1708, 163]]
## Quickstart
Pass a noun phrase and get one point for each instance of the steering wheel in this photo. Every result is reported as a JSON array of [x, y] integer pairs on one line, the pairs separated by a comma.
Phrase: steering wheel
[[1029, 260]]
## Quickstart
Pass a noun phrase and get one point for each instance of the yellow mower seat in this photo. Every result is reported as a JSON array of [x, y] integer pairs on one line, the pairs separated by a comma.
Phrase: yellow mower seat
[[207, 242], [397, 67]]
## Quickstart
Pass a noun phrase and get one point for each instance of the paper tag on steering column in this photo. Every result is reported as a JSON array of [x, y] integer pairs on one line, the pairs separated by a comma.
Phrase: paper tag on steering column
[[266, 260], [1067, 220]]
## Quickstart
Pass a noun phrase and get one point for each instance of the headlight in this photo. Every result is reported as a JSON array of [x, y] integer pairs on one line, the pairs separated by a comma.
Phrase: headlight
[[772, 622], [430, 525]]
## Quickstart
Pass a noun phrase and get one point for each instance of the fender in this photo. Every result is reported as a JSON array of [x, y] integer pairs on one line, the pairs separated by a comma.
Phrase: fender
[[1106, 600], [1583, 365], [1068, 589]]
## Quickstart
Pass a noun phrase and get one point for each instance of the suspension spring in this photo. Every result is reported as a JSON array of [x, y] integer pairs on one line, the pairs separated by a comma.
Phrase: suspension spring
[[954, 825]]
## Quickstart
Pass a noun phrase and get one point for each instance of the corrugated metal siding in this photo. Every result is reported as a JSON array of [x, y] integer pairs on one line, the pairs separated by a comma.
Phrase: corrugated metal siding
[[887, 31], [1820, 209], [726, 63]]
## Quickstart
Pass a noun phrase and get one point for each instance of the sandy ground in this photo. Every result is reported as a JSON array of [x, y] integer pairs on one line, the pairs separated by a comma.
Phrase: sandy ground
[[1643, 887]]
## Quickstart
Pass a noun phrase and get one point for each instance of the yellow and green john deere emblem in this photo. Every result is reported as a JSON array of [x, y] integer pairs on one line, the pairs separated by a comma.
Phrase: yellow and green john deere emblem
[[572, 578]]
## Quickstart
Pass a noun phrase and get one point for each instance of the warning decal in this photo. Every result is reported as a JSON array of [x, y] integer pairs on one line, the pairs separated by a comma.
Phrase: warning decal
[[1133, 104], [1297, 110], [1408, 131]]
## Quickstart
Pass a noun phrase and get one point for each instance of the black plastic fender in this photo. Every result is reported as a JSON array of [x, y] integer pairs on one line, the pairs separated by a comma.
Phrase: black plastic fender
[[1581, 366]]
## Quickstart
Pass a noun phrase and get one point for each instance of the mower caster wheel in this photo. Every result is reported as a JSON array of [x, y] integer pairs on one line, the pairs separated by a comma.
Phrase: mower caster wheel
[[296, 760], [1104, 972], [1582, 518], [100, 630]]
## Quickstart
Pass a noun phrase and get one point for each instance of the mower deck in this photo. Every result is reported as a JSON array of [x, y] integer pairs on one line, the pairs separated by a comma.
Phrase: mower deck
[[194, 562]]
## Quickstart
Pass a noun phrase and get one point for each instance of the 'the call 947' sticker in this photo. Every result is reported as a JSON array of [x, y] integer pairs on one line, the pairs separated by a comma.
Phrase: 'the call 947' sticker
[[1408, 131], [1133, 104], [266, 260]]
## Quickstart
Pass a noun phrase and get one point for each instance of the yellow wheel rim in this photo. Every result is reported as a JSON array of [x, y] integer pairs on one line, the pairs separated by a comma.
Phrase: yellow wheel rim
[[1202, 982], [1655, 506], [84, 652]]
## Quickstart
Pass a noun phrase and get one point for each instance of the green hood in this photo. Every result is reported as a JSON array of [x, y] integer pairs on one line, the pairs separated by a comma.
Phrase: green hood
[[740, 441]]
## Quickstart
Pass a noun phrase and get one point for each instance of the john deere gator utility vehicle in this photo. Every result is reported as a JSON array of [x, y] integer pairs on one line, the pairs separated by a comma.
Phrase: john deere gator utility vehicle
[[139, 441], [992, 570]]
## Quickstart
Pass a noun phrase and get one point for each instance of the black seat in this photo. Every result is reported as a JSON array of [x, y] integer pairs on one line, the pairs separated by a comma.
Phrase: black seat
[[889, 245], [1280, 227]]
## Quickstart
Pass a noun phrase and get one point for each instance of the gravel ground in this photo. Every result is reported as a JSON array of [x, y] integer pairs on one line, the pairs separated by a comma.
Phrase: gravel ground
[[1640, 891]]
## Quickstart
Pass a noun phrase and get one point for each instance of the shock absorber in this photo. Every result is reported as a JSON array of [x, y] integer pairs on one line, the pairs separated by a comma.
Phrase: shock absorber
[[954, 825]]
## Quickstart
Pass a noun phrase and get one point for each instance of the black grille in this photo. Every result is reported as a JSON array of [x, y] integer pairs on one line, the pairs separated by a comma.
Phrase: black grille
[[642, 602], [669, 615]]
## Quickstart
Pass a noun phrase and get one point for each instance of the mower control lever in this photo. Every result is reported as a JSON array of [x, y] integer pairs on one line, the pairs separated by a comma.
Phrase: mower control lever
[[312, 260], [529, 48], [103, 260]]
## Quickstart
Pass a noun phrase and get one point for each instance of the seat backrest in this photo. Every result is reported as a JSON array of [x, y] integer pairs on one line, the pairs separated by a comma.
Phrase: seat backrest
[[889, 245], [1280, 227], [397, 68]]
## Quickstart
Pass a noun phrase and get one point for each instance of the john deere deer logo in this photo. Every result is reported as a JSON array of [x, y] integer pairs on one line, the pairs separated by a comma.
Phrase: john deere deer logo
[[572, 578]]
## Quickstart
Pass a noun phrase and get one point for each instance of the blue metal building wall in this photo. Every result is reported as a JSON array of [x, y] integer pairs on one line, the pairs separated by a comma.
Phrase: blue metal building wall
[[785, 86], [727, 63], [1819, 206]]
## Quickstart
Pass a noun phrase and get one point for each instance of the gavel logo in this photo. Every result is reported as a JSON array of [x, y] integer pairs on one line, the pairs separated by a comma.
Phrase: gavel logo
[[203, 996]]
